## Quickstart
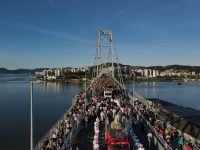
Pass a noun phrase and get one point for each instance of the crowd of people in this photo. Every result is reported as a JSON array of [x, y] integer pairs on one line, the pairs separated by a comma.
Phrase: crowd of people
[[111, 109], [114, 108], [171, 136], [102, 84], [62, 130], [96, 135]]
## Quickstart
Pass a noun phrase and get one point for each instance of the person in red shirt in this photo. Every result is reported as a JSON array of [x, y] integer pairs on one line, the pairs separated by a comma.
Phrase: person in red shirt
[[188, 147], [161, 133]]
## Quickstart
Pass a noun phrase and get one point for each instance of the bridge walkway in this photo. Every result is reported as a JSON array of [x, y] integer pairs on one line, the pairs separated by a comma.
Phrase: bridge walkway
[[84, 140], [142, 132]]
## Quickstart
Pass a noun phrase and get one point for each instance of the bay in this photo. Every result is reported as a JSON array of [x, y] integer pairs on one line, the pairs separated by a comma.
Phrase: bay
[[52, 99], [187, 94]]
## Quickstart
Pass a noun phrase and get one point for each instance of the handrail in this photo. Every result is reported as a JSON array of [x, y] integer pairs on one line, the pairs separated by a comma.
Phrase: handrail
[[48, 134], [195, 147], [67, 144], [134, 137], [156, 134], [162, 142]]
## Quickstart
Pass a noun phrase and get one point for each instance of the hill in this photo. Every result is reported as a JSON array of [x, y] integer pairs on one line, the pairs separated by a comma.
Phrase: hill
[[160, 68], [176, 67]]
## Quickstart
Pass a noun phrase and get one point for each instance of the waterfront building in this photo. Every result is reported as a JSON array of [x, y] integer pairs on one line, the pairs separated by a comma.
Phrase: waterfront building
[[142, 72], [193, 73], [157, 73], [52, 77], [74, 70], [44, 72], [186, 73], [154, 73], [125, 69], [161, 74], [58, 72], [49, 72], [179, 74], [146, 72], [150, 73], [82, 69]]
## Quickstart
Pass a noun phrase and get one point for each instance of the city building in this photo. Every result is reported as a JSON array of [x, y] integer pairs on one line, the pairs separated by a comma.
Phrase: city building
[[58, 72], [49, 72], [154, 73], [193, 73], [146, 72], [150, 73]]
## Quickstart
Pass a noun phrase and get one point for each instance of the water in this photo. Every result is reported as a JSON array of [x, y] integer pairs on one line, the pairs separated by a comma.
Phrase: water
[[51, 100], [187, 94]]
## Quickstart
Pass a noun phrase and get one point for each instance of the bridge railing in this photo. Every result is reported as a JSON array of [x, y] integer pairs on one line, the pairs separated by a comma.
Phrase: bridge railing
[[162, 141], [71, 138], [158, 140], [134, 141], [195, 146], [50, 132], [161, 144]]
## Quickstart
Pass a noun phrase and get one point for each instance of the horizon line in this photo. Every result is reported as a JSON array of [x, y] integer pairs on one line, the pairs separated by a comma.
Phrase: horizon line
[[94, 65]]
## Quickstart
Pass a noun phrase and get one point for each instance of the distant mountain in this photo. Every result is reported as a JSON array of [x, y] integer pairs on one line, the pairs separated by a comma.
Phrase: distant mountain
[[17, 71], [20, 71], [160, 68], [3, 70]]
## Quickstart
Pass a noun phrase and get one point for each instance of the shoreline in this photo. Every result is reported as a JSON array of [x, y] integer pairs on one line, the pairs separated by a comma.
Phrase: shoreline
[[76, 81]]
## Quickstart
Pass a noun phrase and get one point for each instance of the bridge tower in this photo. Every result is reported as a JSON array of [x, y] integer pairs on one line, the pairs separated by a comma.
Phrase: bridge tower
[[105, 53]]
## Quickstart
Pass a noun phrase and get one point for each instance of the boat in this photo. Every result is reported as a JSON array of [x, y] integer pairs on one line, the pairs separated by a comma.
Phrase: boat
[[179, 83], [105, 116]]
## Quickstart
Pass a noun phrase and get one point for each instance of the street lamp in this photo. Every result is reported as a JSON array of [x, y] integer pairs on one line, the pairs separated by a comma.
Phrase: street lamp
[[31, 117]]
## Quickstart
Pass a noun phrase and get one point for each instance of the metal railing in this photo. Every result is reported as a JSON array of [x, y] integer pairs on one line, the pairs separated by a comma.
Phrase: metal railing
[[134, 141], [162, 141], [164, 145], [50, 132], [70, 139], [157, 139]]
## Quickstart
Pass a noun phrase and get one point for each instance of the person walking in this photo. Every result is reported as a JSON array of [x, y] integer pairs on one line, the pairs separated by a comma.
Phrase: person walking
[[181, 142], [149, 137]]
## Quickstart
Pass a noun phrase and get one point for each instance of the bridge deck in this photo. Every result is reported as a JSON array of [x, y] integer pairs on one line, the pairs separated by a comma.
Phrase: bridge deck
[[142, 132], [84, 139]]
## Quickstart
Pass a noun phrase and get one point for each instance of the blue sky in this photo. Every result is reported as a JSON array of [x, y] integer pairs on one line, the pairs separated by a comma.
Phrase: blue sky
[[54, 33]]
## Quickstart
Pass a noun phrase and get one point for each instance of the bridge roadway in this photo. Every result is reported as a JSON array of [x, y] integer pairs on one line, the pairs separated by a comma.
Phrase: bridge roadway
[[84, 140], [141, 131]]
